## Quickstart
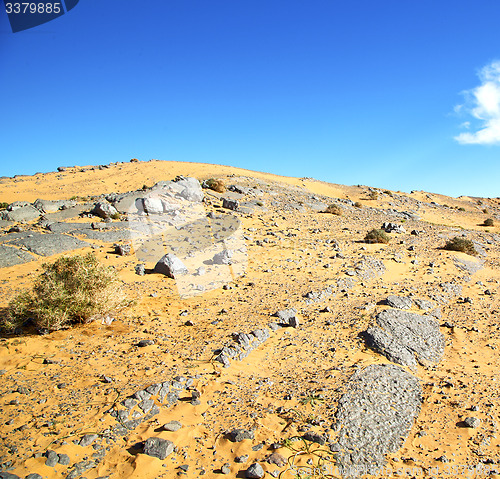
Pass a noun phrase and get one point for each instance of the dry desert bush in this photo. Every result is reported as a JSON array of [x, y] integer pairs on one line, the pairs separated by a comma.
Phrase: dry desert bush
[[461, 244], [377, 236], [72, 289]]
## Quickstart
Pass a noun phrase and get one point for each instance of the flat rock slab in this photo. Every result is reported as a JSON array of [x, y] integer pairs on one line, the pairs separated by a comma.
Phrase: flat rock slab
[[405, 338], [374, 417], [48, 244], [10, 256], [68, 213]]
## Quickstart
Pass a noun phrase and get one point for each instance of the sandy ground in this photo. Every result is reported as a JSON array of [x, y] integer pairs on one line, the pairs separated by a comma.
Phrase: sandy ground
[[292, 382]]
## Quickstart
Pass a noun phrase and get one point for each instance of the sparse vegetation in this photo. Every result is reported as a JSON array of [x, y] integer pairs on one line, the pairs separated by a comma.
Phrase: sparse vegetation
[[215, 185], [461, 244], [358, 205], [334, 210], [485, 211], [389, 193], [3, 205], [489, 222], [377, 236], [461, 208], [116, 216], [70, 290]]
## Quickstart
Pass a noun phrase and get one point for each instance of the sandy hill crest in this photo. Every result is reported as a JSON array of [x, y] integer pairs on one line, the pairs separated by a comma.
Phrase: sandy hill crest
[[283, 343]]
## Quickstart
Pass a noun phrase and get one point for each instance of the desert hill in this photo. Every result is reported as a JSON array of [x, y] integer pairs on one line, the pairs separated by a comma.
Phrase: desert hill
[[287, 346]]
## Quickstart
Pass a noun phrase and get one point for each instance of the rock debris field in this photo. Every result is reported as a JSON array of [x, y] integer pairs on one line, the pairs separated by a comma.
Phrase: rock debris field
[[267, 338]]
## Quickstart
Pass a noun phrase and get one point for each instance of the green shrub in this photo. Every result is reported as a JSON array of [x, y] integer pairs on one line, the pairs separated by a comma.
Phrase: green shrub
[[116, 216], [489, 222], [334, 210], [215, 185], [461, 244], [377, 236], [3, 206], [70, 290]]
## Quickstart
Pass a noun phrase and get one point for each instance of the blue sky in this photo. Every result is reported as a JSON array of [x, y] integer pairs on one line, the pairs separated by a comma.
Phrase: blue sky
[[395, 94]]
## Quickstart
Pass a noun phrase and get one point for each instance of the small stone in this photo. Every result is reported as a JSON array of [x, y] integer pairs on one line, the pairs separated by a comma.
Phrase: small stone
[[140, 269], [52, 458], [276, 459], [172, 426], [87, 440], [171, 266], [157, 447], [241, 459], [226, 469], [64, 459], [472, 422], [29, 476], [238, 435], [255, 471], [145, 342]]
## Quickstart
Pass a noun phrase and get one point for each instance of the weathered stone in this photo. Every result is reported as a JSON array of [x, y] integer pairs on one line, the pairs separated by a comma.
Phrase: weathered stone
[[255, 471], [48, 244], [223, 257], [172, 426], [399, 302], [157, 447], [52, 458], [237, 435], [230, 204], [24, 213], [405, 337], [49, 206], [374, 417], [288, 317], [10, 256], [170, 266], [87, 440], [472, 422], [104, 210]]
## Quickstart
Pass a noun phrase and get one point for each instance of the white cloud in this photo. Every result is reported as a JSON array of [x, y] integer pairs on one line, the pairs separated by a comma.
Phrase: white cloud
[[483, 103]]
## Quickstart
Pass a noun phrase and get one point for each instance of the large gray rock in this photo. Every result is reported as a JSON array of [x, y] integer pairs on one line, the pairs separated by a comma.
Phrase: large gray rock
[[288, 317], [405, 338], [230, 204], [10, 256], [170, 266], [24, 213], [190, 189], [48, 244], [158, 447], [104, 210], [374, 417], [51, 206]]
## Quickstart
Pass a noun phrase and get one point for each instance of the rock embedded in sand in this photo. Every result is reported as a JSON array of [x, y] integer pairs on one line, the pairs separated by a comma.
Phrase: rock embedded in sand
[[172, 426], [87, 440], [171, 266], [472, 422], [255, 471], [288, 317], [374, 416], [223, 257], [238, 435], [405, 338], [399, 302], [158, 447]]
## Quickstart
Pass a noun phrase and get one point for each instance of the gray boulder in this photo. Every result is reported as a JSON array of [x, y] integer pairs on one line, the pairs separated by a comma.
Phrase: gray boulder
[[405, 338], [24, 213], [158, 447], [191, 189], [374, 417], [104, 210], [238, 435], [152, 206], [170, 266]]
